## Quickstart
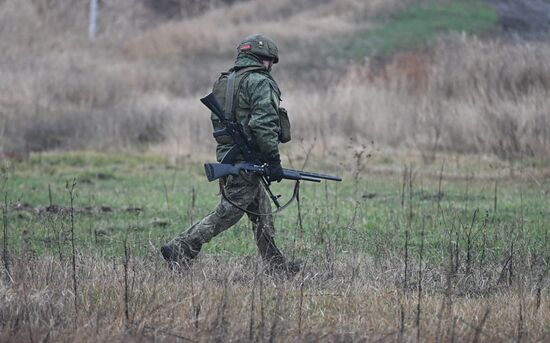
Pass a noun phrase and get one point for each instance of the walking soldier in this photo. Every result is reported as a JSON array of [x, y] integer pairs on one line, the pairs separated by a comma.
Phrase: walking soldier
[[251, 97]]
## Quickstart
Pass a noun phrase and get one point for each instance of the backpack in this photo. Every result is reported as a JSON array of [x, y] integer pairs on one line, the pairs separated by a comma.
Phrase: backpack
[[226, 90]]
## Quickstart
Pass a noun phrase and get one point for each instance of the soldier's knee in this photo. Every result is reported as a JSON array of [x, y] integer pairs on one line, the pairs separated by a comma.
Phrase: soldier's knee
[[227, 212]]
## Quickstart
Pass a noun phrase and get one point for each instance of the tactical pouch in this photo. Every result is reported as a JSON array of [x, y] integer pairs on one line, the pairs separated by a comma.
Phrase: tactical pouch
[[222, 138], [284, 134]]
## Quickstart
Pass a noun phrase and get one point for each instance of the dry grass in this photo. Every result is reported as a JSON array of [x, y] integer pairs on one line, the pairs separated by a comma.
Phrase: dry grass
[[463, 95], [138, 85], [292, 24], [228, 299]]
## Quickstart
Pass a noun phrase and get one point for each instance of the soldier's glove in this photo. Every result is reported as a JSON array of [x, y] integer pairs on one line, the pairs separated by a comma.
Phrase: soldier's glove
[[274, 169]]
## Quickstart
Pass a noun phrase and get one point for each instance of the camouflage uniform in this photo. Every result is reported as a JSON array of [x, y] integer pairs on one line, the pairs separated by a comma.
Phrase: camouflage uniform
[[256, 109], [247, 192]]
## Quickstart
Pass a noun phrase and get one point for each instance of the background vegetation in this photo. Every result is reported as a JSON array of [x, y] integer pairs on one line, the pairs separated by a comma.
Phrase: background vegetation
[[343, 65]]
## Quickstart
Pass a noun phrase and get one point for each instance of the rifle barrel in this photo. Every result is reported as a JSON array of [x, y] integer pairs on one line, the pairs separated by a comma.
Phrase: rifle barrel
[[309, 178], [316, 175]]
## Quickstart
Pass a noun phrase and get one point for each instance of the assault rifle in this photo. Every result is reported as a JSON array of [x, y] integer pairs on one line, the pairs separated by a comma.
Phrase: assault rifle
[[216, 170], [242, 146]]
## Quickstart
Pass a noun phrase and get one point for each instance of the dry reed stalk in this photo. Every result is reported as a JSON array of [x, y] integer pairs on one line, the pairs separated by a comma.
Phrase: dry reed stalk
[[520, 324], [70, 189], [299, 224], [193, 203], [50, 202], [467, 194], [401, 322], [449, 274], [439, 189], [470, 236], [5, 253], [408, 228], [506, 266], [275, 322], [511, 264], [538, 292], [445, 310], [301, 301], [221, 324], [484, 238], [126, 290], [262, 326], [192, 208], [457, 251], [419, 298], [251, 330], [196, 308], [495, 199], [404, 184], [479, 327]]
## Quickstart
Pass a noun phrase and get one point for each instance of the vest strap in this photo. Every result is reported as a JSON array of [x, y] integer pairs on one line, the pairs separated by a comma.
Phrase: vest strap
[[229, 95], [230, 89]]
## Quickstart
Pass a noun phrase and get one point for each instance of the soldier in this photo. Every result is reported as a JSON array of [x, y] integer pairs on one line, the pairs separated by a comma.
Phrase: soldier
[[251, 97]]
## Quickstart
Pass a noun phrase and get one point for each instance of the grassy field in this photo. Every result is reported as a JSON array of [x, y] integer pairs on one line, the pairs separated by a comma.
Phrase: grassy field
[[150, 199], [452, 251], [419, 24]]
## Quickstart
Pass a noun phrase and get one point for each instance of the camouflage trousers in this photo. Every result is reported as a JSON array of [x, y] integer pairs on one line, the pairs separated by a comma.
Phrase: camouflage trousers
[[247, 192]]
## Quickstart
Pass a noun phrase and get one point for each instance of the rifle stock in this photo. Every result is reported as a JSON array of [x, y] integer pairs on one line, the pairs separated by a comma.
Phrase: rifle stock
[[212, 103]]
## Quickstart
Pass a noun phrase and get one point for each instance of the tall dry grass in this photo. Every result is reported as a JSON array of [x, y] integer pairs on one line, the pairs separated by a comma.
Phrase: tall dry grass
[[462, 95], [292, 23], [138, 85], [233, 300]]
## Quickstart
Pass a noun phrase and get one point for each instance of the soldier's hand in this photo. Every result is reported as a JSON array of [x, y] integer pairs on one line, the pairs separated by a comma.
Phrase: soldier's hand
[[274, 169]]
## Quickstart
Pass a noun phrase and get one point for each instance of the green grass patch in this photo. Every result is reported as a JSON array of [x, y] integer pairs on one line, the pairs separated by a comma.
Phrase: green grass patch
[[149, 201], [420, 23]]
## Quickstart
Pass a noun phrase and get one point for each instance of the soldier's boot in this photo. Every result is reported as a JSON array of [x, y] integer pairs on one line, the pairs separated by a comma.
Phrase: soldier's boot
[[178, 259], [169, 254], [277, 262]]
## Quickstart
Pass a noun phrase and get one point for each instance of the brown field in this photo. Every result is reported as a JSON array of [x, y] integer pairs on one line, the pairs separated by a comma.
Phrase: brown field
[[139, 83], [233, 300]]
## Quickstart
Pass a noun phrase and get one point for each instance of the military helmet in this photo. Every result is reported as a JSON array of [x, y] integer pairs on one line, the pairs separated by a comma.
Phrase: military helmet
[[261, 46]]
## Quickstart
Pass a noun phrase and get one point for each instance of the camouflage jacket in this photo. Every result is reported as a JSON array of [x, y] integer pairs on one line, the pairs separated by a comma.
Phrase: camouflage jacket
[[256, 106]]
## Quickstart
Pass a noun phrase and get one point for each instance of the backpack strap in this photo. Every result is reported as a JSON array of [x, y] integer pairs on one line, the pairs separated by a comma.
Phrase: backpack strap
[[229, 94], [230, 89]]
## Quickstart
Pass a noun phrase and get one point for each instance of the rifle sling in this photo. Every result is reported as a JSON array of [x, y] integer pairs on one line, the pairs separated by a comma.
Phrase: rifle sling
[[295, 196]]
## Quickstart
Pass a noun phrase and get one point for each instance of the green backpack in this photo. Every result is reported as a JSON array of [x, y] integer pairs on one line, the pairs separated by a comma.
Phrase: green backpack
[[226, 90]]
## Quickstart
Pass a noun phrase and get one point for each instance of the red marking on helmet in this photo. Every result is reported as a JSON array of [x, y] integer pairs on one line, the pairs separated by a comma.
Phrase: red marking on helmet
[[245, 47]]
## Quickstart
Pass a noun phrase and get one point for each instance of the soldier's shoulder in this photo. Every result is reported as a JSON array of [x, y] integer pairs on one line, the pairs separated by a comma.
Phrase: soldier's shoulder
[[256, 77], [261, 79]]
